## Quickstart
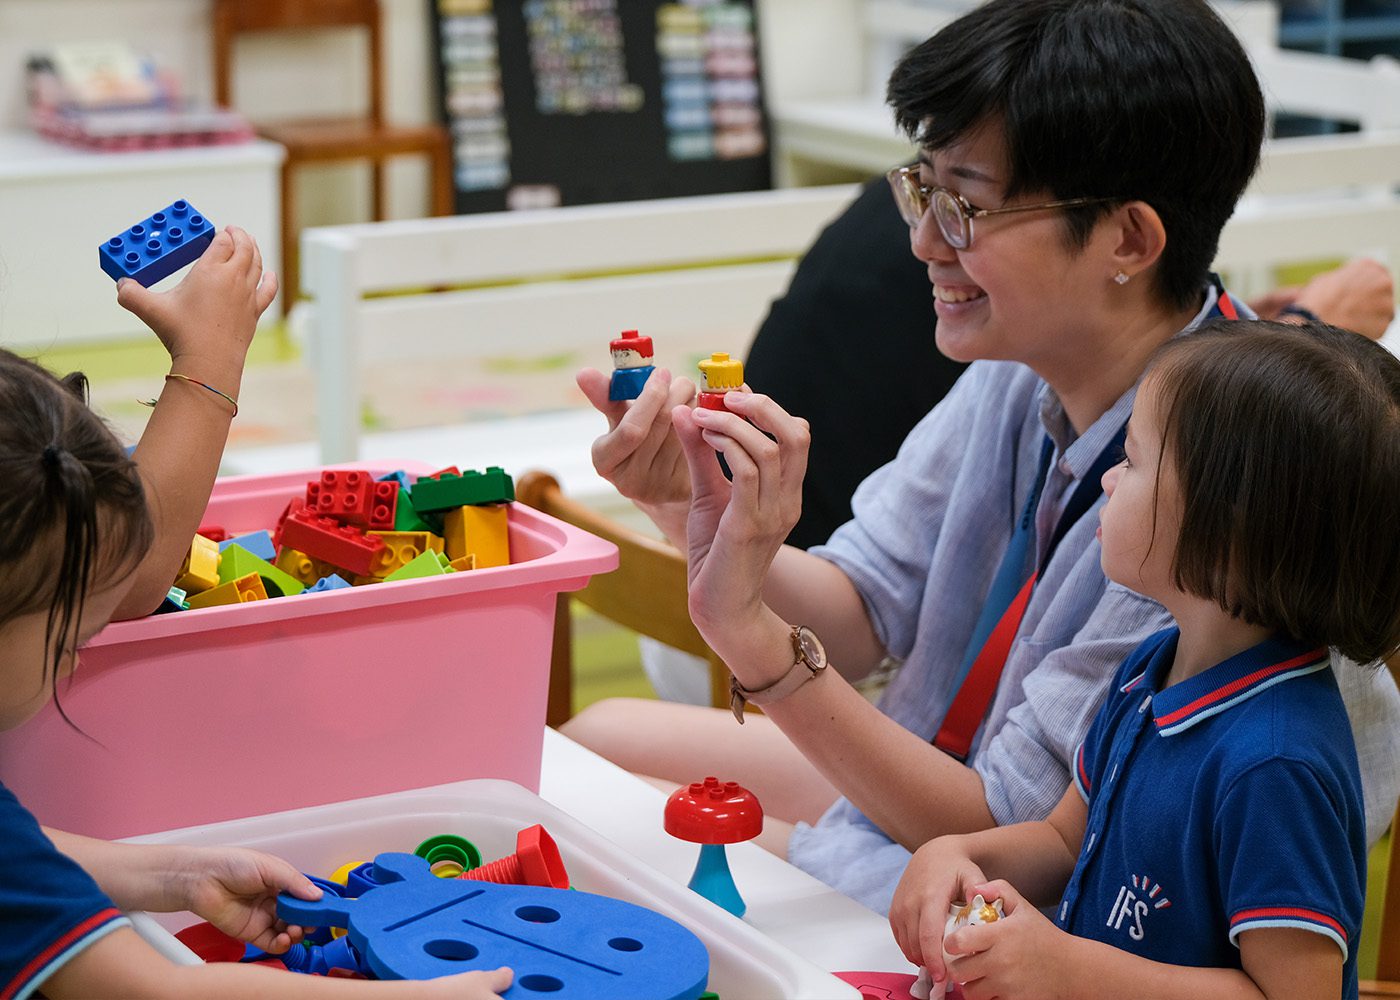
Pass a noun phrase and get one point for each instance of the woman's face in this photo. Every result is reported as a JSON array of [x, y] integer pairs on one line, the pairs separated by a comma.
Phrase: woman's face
[[1017, 293]]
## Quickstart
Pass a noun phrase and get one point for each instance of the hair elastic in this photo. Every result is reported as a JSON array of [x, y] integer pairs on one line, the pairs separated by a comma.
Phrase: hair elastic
[[185, 378], [52, 456]]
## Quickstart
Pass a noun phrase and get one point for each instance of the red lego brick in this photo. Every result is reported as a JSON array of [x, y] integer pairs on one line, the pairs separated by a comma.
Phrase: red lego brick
[[213, 532], [293, 505], [354, 498], [330, 541]]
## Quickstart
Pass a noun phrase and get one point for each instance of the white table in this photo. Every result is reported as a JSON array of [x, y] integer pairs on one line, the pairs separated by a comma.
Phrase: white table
[[58, 203], [816, 922]]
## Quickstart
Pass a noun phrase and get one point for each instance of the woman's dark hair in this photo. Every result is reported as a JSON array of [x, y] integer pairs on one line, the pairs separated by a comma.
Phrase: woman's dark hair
[[1150, 100], [72, 508], [1286, 444]]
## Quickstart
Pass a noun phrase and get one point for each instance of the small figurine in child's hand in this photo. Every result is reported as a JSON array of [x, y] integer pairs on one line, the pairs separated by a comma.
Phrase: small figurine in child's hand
[[719, 374], [979, 911], [632, 357]]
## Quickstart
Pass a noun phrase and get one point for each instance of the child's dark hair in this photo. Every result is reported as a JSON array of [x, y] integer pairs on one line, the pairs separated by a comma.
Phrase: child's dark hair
[[1151, 100], [71, 503], [1286, 445]]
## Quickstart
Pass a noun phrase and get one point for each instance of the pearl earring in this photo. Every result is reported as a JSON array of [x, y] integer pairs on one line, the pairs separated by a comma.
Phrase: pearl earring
[[1121, 277]]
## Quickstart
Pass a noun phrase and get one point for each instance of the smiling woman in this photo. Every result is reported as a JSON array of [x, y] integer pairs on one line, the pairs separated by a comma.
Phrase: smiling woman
[[1081, 157]]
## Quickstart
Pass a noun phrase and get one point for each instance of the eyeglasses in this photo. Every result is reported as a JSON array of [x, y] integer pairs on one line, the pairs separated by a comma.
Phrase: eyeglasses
[[951, 210]]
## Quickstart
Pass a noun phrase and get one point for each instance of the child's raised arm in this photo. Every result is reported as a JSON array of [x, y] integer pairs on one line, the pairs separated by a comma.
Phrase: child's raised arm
[[1039, 857], [122, 965], [206, 322]]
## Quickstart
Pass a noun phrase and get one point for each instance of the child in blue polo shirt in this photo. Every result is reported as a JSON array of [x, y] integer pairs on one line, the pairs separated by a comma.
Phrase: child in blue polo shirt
[[75, 526], [1212, 843]]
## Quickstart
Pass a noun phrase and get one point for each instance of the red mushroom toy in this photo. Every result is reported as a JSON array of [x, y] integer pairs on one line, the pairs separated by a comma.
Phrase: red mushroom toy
[[713, 813]]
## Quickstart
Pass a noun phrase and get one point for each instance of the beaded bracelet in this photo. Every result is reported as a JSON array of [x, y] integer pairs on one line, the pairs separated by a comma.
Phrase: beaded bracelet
[[185, 378]]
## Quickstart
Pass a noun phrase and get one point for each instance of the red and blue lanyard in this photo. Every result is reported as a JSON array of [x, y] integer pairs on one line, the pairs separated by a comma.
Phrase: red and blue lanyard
[[1005, 607]]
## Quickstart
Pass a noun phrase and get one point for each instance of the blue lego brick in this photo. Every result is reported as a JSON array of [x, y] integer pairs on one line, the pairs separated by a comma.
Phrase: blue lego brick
[[259, 543], [627, 383], [158, 246], [567, 944], [333, 582]]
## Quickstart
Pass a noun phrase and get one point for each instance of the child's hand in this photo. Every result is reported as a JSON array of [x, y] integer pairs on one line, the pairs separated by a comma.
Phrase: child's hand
[[939, 875], [1021, 956], [467, 986], [236, 890], [210, 316]]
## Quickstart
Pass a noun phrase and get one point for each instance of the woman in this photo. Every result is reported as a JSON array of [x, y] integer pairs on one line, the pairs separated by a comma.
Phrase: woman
[[1079, 159]]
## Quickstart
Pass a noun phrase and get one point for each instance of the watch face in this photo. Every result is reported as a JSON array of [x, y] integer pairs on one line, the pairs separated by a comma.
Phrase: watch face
[[812, 649]]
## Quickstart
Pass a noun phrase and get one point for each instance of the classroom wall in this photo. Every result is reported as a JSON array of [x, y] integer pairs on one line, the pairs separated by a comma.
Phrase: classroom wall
[[807, 53]]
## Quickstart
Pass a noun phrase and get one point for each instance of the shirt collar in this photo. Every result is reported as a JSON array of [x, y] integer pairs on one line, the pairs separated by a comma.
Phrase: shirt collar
[[1225, 685], [1078, 454]]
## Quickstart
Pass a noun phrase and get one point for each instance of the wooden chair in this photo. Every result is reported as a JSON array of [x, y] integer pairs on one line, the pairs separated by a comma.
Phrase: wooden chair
[[1387, 981], [646, 593], [323, 141]]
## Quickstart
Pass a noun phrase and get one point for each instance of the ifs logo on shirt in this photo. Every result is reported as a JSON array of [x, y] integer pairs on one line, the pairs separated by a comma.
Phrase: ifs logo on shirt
[[1134, 903]]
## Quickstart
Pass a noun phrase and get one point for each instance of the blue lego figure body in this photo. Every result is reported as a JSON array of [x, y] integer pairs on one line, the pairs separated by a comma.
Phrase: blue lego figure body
[[158, 246], [627, 383], [571, 945]]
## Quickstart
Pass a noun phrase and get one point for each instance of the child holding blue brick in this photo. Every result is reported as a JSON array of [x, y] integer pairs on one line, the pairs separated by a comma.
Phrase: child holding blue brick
[[1212, 842], [76, 529], [206, 322]]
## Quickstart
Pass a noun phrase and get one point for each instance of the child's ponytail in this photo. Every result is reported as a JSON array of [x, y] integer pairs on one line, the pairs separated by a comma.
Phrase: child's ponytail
[[72, 507]]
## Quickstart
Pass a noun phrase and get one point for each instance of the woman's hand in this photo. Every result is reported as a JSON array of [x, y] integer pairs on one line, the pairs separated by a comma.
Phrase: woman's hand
[[639, 454], [939, 875], [236, 889], [734, 529], [1022, 956], [207, 321]]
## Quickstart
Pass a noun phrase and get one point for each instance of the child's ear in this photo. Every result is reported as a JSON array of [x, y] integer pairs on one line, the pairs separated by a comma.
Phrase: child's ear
[[1141, 238]]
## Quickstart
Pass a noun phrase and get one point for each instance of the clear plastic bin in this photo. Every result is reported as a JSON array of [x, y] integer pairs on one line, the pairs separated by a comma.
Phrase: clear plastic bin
[[744, 963]]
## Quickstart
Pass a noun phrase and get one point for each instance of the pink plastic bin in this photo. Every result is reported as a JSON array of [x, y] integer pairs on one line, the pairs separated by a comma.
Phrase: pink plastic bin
[[225, 712]]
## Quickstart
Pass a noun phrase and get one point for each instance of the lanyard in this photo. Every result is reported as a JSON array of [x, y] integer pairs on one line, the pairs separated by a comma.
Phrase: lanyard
[[1000, 620]]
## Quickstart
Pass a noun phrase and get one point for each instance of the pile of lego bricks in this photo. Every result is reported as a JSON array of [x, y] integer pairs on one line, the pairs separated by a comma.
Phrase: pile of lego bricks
[[351, 529]]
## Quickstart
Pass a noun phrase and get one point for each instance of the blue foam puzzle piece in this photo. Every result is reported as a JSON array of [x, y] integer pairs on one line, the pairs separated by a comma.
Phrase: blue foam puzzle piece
[[259, 543], [157, 246], [627, 383], [569, 945]]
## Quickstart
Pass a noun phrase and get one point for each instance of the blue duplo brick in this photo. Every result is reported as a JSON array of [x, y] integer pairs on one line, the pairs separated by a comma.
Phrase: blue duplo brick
[[158, 246]]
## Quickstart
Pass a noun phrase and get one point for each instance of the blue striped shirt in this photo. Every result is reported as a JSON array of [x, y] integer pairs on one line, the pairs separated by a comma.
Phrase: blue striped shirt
[[927, 536]]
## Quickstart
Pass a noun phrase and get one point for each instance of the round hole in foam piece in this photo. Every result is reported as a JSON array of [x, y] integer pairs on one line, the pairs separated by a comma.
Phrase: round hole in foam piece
[[625, 944], [537, 914], [537, 983], [452, 951]]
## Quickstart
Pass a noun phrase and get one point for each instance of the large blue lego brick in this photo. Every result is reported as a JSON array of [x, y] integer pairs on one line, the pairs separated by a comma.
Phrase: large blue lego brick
[[158, 246]]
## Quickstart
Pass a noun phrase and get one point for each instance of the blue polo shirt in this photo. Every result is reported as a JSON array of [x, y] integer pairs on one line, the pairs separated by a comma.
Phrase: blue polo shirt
[[1228, 802], [50, 909]]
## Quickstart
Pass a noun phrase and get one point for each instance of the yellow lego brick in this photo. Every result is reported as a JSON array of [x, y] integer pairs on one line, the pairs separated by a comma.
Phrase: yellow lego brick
[[400, 549], [200, 570], [245, 588], [480, 531], [463, 564], [300, 566]]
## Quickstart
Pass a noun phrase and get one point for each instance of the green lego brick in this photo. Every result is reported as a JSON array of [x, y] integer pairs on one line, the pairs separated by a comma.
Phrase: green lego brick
[[470, 489], [427, 564], [408, 519], [237, 562]]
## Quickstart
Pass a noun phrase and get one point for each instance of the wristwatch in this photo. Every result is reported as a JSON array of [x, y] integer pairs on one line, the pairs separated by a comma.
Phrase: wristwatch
[[809, 661]]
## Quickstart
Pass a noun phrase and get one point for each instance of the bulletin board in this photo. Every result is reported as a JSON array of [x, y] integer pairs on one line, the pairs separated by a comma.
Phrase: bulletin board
[[569, 102]]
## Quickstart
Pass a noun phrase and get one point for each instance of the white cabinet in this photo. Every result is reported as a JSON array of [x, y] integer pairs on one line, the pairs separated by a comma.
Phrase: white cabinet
[[57, 204]]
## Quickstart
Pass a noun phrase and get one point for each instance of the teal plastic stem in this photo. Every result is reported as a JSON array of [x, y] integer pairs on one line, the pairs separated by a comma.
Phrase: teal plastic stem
[[712, 880]]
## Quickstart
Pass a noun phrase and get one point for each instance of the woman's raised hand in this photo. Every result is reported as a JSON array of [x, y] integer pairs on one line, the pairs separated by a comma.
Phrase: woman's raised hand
[[735, 529], [639, 454]]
